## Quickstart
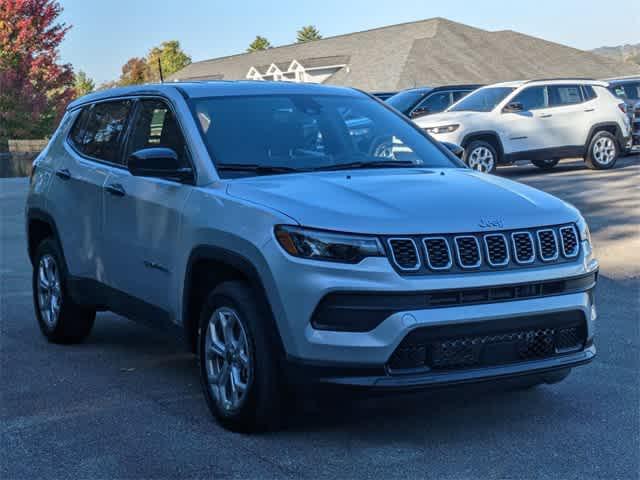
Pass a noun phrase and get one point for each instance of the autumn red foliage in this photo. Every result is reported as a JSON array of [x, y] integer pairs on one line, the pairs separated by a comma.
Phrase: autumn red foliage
[[34, 86]]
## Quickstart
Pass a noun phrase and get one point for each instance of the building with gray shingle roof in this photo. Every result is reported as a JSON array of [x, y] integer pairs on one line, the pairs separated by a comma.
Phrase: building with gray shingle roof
[[428, 52]]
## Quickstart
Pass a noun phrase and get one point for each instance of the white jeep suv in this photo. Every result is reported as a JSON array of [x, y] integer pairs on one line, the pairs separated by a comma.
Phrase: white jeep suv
[[538, 120]]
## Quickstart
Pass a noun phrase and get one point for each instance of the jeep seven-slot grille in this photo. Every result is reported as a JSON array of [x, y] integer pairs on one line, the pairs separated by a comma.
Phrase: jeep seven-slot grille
[[416, 254]]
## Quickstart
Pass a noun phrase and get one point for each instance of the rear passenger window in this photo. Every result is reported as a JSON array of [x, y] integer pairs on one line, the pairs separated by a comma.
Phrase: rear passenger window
[[560, 95], [532, 98], [104, 130], [156, 126]]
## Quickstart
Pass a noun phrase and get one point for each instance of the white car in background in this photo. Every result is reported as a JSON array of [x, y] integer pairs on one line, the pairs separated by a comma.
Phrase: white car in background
[[537, 120]]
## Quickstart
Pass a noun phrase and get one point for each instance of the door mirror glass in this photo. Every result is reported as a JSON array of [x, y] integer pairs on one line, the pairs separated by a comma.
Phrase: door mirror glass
[[513, 107], [158, 162]]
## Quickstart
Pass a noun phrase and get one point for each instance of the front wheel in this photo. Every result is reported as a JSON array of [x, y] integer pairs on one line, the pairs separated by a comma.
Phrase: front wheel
[[60, 319], [238, 361], [547, 164], [481, 156], [603, 151]]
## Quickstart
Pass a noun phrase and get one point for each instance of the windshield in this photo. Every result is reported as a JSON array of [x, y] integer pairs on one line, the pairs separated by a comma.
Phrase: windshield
[[482, 100], [267, 134], [403, 101]]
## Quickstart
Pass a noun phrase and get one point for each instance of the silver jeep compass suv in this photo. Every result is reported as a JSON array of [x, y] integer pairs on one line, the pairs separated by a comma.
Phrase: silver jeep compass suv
[[298, 233]]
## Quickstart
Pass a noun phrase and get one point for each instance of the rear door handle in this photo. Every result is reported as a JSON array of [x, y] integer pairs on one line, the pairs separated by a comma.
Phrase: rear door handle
[[590, 110], [546, 115], [63, 173], [115, 189]]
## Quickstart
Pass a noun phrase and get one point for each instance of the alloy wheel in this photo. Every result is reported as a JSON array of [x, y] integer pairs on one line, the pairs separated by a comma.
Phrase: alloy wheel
[[228, 360], [481, 159], [49, 291], [604, 151]]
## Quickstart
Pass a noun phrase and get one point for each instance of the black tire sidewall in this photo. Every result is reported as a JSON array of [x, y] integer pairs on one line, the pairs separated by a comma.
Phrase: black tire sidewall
[[590, 158], [260, 410], [476, 144]]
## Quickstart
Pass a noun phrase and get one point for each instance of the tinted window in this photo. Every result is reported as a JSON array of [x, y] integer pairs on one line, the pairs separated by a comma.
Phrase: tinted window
[[629, 90], [436, 102], [588, 92], [404, 101], [310, 132], [104, 130], [156, 126], [482, 100], [560, 95], [457, 95], [79, 127], [532, 98]]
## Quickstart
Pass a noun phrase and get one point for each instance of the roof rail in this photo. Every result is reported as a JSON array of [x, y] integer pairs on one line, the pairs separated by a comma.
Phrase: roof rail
[[559, 78]]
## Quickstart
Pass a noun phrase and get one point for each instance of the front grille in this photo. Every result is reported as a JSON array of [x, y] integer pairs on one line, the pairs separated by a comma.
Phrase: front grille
[[405, 253], [472, 346], [569, 241], [437, 253], [496, 249], [547, 244], [467, 251], [416, 254]]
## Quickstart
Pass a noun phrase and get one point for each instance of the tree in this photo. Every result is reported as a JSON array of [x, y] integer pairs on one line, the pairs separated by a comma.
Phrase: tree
[[260, 43], [34, 87], [82, 84], [134, 72], [172, 59], [307, 34]]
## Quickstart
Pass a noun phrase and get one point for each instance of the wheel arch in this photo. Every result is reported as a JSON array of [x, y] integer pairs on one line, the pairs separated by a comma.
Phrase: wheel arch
[[612, 127], [490, 136], [40, 225], [209, 266]]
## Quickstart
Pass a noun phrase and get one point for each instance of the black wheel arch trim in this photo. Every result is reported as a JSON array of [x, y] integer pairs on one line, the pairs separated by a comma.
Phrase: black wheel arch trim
[[35, 213], [605, 126], [237, 262], [470, 137]]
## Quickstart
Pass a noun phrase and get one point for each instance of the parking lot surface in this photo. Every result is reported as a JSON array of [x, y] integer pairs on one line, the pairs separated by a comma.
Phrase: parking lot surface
[[127, 403]]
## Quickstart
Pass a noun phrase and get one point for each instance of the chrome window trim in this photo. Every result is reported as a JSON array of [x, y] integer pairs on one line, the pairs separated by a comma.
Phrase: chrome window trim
[[515, 248], [555, 239], [393, 255], [575, 233], [475, 239], [506, 247], [426, 251]]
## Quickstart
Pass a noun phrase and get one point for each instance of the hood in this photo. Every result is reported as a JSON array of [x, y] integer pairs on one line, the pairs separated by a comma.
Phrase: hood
[[404, 201], [446, 118]]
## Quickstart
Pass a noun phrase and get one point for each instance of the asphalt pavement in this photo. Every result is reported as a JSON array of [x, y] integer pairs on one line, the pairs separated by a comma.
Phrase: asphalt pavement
[[127, 402]]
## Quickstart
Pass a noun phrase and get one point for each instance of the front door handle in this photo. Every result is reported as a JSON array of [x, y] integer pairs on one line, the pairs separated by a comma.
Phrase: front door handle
[[115, 189], [546, 115], [63, 173], [590, 110]]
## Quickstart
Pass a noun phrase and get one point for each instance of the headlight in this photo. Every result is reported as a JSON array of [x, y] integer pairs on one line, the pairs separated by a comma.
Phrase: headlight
[[443, 129], [328, 246], [583, 230]]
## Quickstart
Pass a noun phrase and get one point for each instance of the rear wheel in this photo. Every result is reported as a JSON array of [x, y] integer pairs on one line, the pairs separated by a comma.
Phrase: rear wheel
[[547, 164], [481, 156], [603, 151], [238, 360], [60, 319]]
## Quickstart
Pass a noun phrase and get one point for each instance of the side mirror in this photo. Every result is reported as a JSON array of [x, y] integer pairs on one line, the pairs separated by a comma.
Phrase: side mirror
[[419, 112], [457, 150], [513, 107], [158, 162]]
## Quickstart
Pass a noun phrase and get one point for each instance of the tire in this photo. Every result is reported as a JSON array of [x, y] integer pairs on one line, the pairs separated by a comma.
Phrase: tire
[[546, 164], [603, 151], [251, 362], [481, 156], [60, 319]]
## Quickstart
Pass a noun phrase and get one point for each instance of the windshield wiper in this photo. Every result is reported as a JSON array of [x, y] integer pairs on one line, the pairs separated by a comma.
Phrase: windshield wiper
[[253, 167], [370, 164]]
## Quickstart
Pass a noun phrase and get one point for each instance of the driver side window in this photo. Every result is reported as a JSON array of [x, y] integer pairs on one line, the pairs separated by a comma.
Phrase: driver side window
[[156, 126]]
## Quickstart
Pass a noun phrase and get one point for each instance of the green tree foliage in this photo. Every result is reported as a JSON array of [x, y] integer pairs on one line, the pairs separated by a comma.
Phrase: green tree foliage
[[260, 43], [171, 57], [307, 34], [82, 84]]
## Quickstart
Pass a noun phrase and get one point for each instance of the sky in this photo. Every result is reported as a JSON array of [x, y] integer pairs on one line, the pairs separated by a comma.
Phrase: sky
[[106, 33]]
